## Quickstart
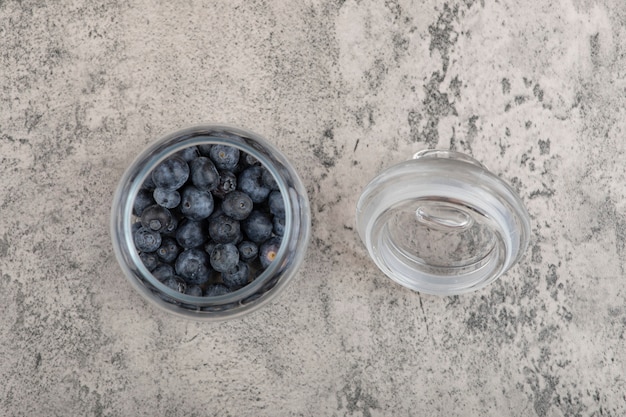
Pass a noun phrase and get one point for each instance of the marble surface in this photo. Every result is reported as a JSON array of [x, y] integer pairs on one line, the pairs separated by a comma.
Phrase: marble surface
[[534, 90]]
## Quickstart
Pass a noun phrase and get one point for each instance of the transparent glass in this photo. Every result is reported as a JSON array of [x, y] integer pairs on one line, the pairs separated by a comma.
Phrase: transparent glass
[[441, 223], [266, 286]]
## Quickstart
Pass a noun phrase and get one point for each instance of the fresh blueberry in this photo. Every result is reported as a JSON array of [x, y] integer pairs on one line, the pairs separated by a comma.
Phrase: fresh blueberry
[[250, 160], [250, 182], [147, 240], [224, 257], [142, 201], [166, 198], [176, 283], [276, 204], [163, 271], [196, 204], [247, 250], [194, 291], [279, 225], [216, 290], [193, 266], [237, 205], [268, 251], [269, 181], [168, 252], [150, 260], [171, 174], [258, 226], [228, 183], [156, 218], [237, 276], [188, 154], [224, 156], [204, 175], [190, 234], [224, 229]]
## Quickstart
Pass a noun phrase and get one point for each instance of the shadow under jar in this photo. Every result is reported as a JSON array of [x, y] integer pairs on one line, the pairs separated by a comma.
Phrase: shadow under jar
[[271, 280]]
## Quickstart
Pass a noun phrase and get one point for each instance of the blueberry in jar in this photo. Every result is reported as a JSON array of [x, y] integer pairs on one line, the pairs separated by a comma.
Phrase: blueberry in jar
[[224, 156], [163, 271], [150, 260], [228, 183], [166, 198], [190, 234], [258, 226], [237, 205], [156, 218], [196, 204], [237, 276], [168, 251], [279, 225], [204, 175], [269, 250], [147, 240], [250, 182], [248, 251], [171, 174], [276, 204], [175, 283], [193, 266], [194, 290], [224, 257], [224, 229]]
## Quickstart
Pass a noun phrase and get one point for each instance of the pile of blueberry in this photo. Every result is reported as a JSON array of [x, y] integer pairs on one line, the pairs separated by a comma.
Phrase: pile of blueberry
[[210, 219]]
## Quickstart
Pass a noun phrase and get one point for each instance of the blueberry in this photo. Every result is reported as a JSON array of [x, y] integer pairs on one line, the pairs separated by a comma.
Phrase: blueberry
[[224, 257], [228, 183], [250, 182], [194, 291], [193, 266], [188, 154], [224, 229], [247, 250], [171, 174], [276, 204], [163, 271], [269, 181], [237, 276], [237, 205], [176, 283], [196, 204], [216, 290], [149, 260], [142, 201], [250, 160], [204, 175], [156, 218], [258, 226], [279, 225], [268, 251], [147, 240], [224, 156], [168, 251], [164, 198], [190, 234]]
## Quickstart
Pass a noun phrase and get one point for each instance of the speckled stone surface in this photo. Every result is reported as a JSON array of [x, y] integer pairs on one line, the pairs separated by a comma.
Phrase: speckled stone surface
[[534, 90]]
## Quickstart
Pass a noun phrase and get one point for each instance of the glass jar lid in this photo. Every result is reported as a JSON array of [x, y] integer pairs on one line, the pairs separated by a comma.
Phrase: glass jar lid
[[441, 223]]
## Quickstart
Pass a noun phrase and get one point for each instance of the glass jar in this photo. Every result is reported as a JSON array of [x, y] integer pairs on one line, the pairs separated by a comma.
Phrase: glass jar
[[441, 223], [263, 288]]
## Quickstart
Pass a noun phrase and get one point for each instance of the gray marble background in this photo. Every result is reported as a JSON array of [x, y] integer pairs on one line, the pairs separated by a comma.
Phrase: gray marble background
[[534, 90]]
